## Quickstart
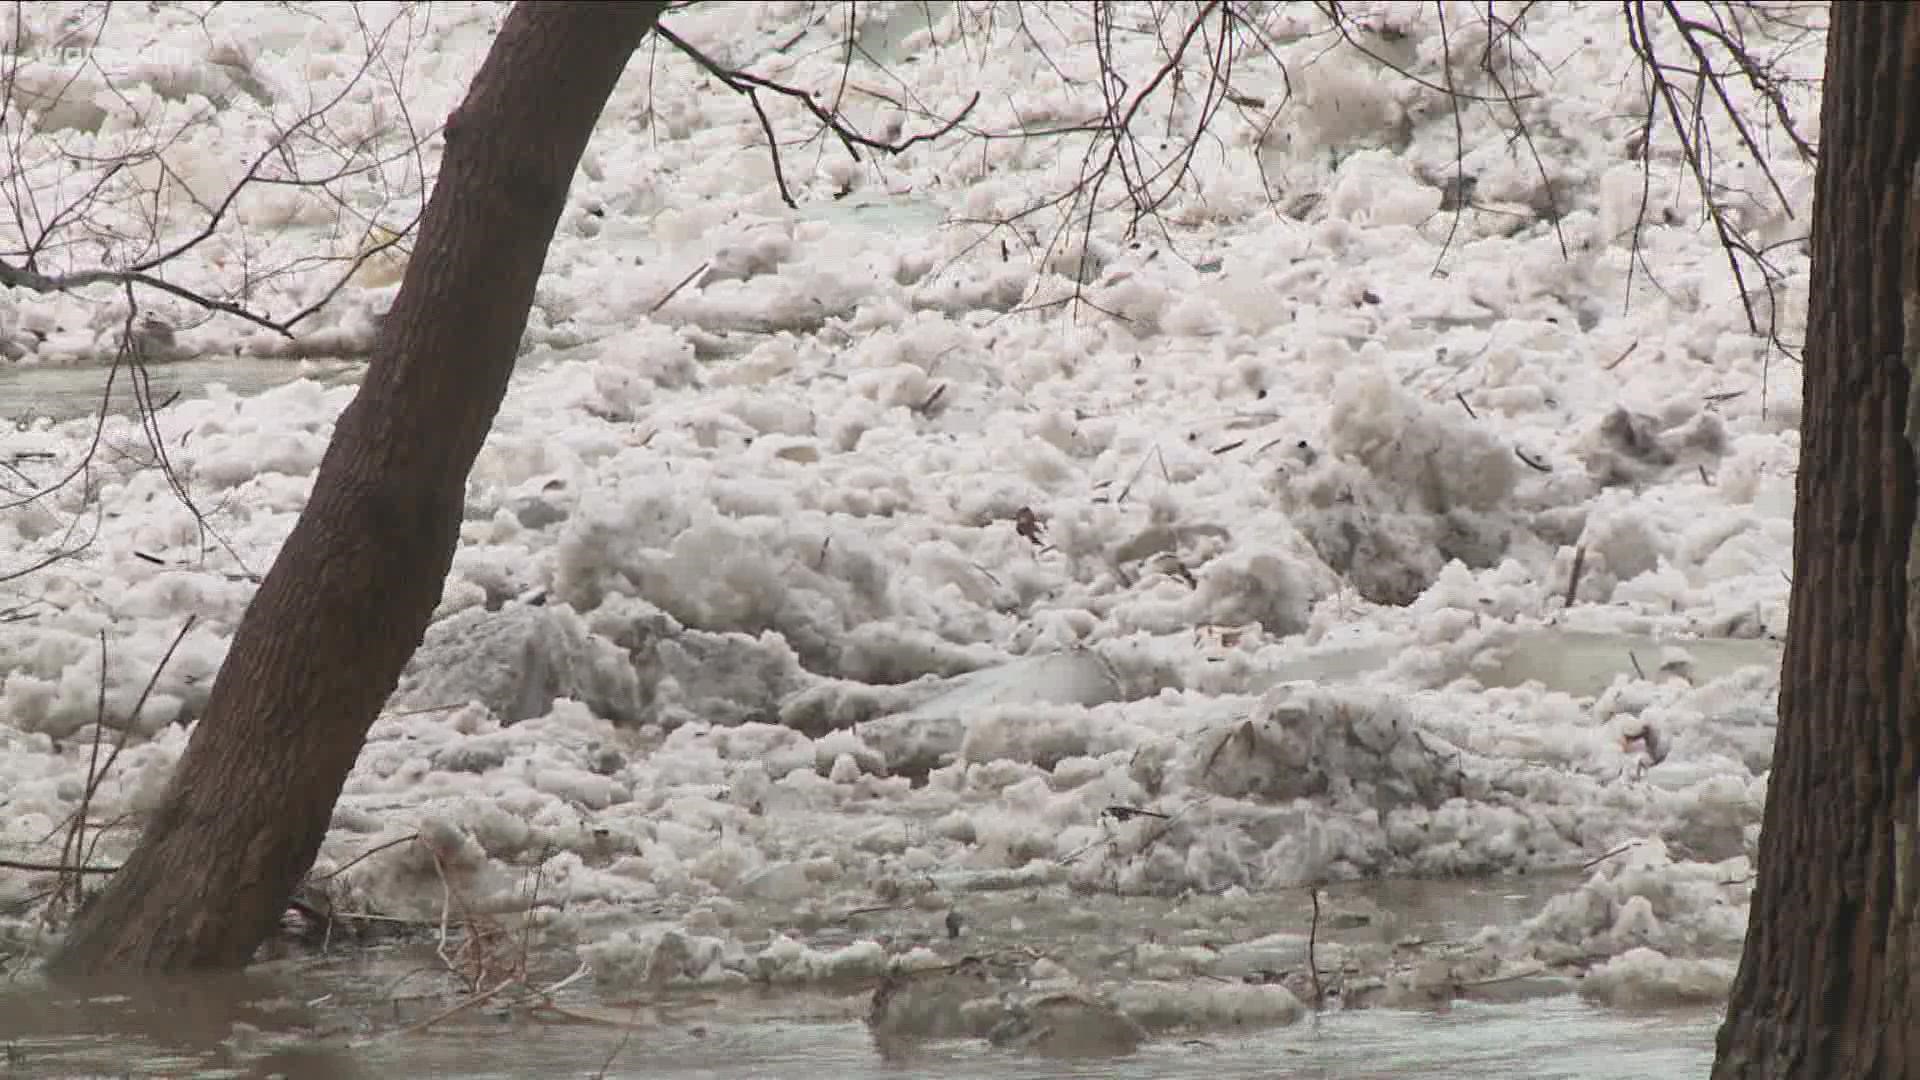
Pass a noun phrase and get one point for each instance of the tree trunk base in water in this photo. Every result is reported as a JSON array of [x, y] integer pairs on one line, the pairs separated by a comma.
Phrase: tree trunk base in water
[[347, 601]]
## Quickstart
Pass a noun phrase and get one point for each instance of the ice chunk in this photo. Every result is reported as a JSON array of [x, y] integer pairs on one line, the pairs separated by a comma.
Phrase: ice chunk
[[1067, 1025], [1584, 664], [1305, 741], [516, 661], [930, 734], [1642, 978], [1574, 662]]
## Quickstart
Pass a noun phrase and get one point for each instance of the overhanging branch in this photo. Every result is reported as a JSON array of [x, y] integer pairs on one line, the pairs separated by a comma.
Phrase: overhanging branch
[[749, 84]]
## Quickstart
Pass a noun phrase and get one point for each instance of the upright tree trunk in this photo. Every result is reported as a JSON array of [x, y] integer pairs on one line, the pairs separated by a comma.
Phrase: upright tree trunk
[[1827, 984], [347, 601]]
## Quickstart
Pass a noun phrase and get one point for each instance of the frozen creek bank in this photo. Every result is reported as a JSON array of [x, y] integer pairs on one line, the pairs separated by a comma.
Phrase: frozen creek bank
[[1310, 566]]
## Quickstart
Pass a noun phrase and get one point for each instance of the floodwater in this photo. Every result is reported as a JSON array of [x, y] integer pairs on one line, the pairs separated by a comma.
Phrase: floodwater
[[1554, 1038], [394, 1011], [1557, 1039], [217, 1031]]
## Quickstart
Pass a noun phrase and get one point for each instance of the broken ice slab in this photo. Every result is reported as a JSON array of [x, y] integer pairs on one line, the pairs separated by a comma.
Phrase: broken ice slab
[[929, 734], [1584, 664], [1575, 662]]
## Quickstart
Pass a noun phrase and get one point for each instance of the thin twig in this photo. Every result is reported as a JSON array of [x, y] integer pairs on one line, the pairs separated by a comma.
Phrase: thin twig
[[830, 117], [1596, 861], [1313, 938], [54, 868], [1573, 574], [363, 856]]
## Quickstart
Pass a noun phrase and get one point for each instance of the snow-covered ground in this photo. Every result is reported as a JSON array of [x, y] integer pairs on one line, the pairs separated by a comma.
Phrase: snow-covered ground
[[1244, 541]]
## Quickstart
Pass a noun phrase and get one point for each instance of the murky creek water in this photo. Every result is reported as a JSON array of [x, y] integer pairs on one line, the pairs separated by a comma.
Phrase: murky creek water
[[387, 1012]]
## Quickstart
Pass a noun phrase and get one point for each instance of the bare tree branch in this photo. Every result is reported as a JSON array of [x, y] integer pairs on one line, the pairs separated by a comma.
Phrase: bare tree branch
[[748, 84]]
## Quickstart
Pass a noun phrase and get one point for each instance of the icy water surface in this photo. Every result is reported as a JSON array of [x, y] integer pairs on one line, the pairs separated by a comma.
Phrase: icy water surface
[[1554, 1037], [1558, 1038], [388, 1012]]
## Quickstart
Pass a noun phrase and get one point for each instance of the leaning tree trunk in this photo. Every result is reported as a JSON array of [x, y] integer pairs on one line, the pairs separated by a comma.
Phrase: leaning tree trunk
[[1826, 987], [325, 638]]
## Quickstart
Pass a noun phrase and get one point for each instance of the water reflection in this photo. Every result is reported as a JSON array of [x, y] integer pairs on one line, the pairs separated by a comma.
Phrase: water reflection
[[387, 1011], [252, 1027], [246, 1024]]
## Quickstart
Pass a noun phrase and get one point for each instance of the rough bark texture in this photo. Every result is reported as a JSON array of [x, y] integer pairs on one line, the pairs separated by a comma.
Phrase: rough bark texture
[[1826, 984], [348, 599]]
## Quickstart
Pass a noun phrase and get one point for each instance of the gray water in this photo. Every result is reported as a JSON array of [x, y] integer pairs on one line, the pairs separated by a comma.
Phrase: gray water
[[393, 1010], [1560, 1037]]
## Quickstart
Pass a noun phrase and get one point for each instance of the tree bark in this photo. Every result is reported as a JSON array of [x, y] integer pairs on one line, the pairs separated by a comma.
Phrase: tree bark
[[1827, 980], [323, 643]]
